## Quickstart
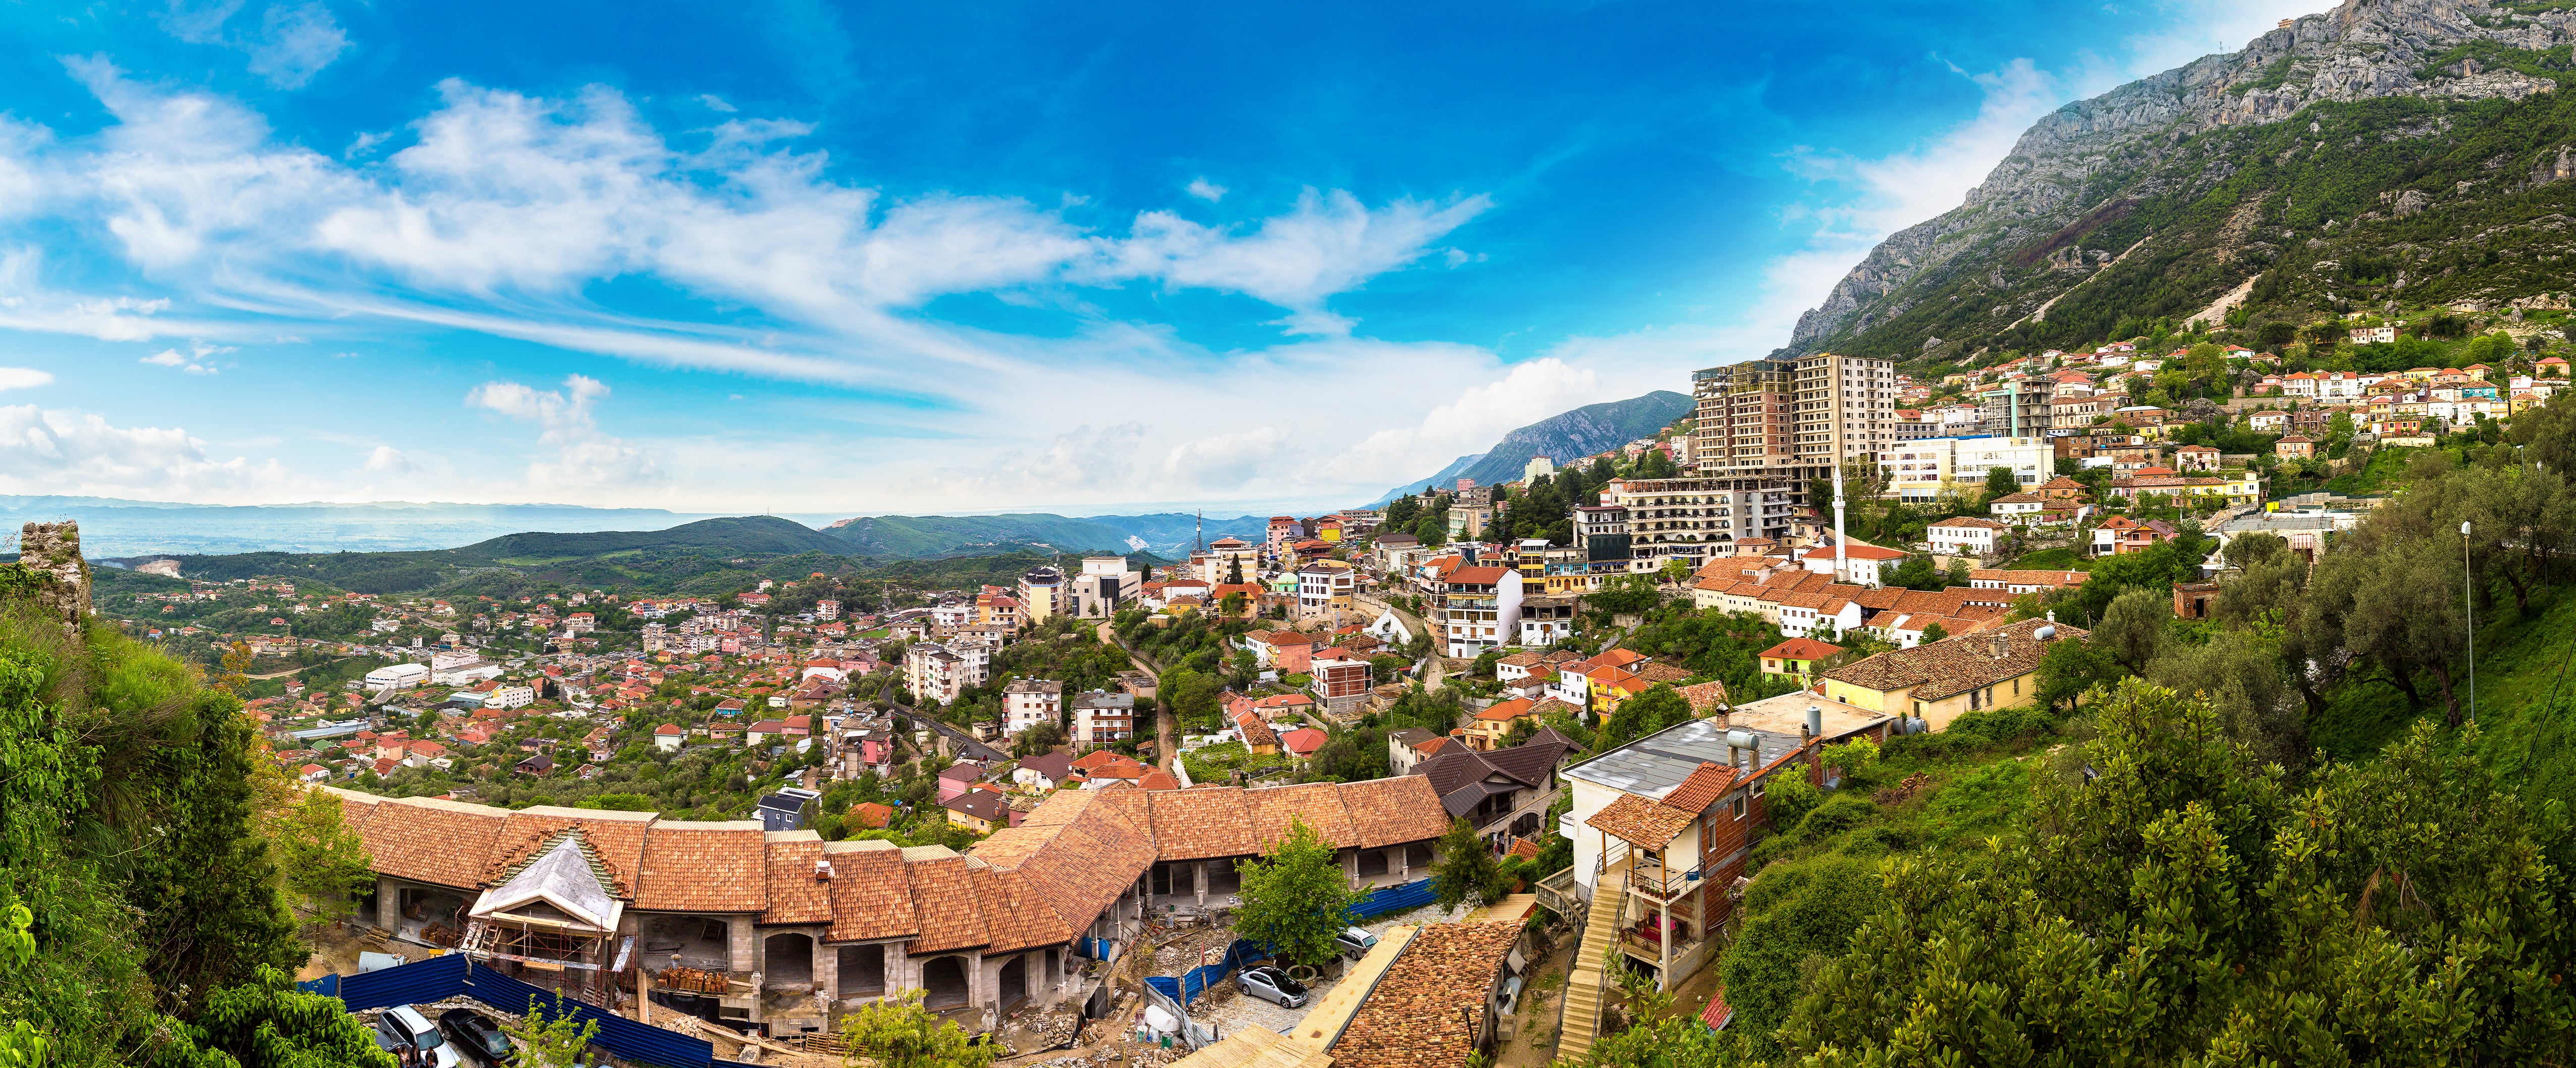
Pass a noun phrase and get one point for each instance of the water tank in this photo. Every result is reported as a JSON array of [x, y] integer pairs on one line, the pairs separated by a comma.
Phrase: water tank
[[1815, 720], [1740, 739], [2044, 633]]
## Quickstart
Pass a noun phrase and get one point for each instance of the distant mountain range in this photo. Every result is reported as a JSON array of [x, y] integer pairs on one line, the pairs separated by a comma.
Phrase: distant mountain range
[[604, 558], [1169, 534], [1564, 437], [115, 527]]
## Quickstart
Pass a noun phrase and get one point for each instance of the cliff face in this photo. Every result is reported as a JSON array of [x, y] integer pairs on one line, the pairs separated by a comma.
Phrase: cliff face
[[2090, 163]]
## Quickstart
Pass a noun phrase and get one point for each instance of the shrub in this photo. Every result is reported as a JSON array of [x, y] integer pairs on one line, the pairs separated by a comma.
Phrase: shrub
[[1789, 797]]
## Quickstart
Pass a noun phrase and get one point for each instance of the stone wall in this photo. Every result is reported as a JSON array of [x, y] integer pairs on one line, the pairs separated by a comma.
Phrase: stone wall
[[49, 557]]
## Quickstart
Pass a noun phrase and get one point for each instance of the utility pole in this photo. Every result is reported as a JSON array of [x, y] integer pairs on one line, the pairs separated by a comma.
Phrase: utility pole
[[2468, 595]]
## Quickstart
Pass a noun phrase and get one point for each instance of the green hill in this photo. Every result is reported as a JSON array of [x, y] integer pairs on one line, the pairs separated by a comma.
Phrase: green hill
[[399, 572]]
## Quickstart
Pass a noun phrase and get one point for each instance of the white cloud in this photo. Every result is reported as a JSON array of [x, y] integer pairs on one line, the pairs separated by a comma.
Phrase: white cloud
[[1479, 416], [385, 459], [54, 450], [1077, 463], [295, 43], [1330, 244], [195, 361], [716, 103], [24, 378], [1205, 190], [1229, 462], [585, 459]]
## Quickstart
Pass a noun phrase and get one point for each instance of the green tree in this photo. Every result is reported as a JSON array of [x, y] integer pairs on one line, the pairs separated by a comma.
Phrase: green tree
[[898, 1032], [2001, 483], [1465, 868], [542, 1041], [1295, 896], [2071, 668], [1627, 594], [323, 861], [1657, 708], [1933, 632], [2136, 627], [268, 1022]]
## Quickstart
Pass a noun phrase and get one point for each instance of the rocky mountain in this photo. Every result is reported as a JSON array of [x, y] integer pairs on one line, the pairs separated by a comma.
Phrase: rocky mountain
[[1562, 437], [2424, 136]]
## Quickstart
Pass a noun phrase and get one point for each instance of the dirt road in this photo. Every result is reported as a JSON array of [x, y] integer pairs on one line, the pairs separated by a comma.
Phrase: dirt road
[[1164, 748]]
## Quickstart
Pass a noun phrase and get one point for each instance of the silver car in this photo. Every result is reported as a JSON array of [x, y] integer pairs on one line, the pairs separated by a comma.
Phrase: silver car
[[1271, 984], [404, 1025], [1354, 943]]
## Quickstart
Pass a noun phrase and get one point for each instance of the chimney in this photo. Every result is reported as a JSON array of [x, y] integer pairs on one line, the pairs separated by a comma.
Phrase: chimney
[[822, 871], [2001, 643]]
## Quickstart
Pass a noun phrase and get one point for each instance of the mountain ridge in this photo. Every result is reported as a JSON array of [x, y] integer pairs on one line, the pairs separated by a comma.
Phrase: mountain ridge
[[1562, 437], [2177, 188]]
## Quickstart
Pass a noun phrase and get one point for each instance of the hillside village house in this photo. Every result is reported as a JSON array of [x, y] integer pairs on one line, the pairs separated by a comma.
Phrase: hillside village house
[[1964, 536], [1937, 682], [1479, 609], [546, 892], [1662, 826], [1797, 658], [1504, 793]]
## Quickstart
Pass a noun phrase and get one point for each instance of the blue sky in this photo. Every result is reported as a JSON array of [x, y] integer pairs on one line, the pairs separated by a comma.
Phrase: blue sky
[[809, 257]]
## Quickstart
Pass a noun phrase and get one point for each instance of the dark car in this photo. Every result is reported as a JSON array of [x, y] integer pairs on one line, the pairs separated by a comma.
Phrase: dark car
[[403, 1025], [476, 1036]]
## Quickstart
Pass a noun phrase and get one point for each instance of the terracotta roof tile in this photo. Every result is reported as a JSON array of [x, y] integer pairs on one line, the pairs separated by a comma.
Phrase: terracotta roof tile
[[871, 893], [701, 867], [1635, 820], [944, 899], [1199, 824], [617, 838], [1387, 812], [1956, 665], [1273, 807], [1427, 1009], [1701, 788], [795, 895], [445, 843]]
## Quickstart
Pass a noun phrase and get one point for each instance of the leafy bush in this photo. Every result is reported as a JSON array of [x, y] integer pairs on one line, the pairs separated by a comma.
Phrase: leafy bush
[[1789, 797]]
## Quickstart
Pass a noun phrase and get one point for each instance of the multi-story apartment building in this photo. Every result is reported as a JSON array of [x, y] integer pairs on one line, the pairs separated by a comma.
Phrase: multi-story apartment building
[[1101, 717], [1325, 587], [2018, 408], [1845, 409], [1601, 530], [1745, 417], [827, 610], [1029, 702], [935, 672], [1479, 609], [1042, 594], [1917, 470], [1694, 519]]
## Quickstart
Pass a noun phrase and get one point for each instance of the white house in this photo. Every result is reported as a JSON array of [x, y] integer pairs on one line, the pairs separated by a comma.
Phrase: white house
[[2021, 508], [510, 697], [1964, 535], [2268, 422], [398, 676], [667, 737]]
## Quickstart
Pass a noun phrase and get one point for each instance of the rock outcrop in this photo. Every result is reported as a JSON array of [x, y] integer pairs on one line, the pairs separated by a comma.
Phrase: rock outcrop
[[49, 555], [2074, 160]]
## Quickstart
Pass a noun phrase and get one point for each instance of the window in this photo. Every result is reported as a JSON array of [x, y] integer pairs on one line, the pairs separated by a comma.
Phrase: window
[[1735, 806]]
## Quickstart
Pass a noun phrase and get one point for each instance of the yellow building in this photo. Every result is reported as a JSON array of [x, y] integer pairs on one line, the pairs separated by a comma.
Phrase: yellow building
[[1939, 681]]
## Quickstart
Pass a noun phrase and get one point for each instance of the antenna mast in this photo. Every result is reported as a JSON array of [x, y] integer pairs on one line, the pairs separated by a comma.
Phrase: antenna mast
[[1842, 541]]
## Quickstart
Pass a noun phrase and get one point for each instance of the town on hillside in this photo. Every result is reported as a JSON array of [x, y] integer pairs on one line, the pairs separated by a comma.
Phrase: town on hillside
[[1546, 726]]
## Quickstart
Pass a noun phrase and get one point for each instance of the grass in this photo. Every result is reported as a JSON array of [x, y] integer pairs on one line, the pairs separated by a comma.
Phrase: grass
[[1216, 763], [2385, 471], [2526, 715]]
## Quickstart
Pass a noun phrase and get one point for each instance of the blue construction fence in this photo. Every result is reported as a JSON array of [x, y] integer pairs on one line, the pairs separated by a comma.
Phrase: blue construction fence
[[451, 975], [1389, 900], [1187, 986]]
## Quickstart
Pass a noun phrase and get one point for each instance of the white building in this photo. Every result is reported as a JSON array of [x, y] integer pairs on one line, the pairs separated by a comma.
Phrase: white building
[[1480, 608], [1101, 717], [398, 676], [1029, 702], [935, 672], [510, 697], [466, 674], [1917, 470], [1964, 536]]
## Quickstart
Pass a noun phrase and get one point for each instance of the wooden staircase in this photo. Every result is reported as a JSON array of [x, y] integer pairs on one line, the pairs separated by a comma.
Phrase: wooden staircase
[[1586, 982]]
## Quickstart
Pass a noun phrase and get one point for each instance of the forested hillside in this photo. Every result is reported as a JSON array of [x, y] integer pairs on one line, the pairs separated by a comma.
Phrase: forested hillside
[[2284, 834], [142, 913]]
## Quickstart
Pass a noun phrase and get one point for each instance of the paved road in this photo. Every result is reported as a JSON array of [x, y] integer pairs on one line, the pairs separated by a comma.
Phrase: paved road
[[1165, 748], [968, 748]]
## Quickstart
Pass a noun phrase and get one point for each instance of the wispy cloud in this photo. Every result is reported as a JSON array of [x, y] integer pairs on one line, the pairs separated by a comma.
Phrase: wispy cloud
[[292, 43], [585, 459], [24, 378], [196, 361], [1205, 190]]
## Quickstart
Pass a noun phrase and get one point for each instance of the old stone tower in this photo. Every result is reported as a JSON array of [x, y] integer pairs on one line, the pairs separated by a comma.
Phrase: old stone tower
[[50, 552]]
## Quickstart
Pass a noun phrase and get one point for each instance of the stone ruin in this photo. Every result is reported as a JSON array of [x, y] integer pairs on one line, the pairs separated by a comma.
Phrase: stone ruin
[[50, 552]]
